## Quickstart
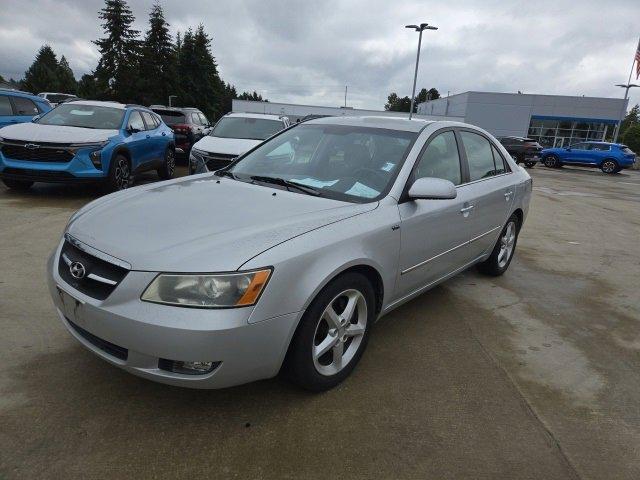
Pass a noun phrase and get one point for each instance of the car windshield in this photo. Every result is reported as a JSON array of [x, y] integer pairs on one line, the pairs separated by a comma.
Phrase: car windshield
[[347, 163], [85, 116], [246, 128], [171, 117]]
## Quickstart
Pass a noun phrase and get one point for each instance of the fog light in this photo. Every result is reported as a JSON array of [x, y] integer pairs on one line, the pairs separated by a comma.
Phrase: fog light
[[187, 368], [95, 157]]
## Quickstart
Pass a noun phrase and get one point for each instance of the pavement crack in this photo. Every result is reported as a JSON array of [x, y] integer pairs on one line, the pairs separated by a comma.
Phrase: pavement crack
[[565, 458]]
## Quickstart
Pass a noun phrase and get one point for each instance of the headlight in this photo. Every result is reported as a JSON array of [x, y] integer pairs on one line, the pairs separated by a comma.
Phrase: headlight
[[224, 290]]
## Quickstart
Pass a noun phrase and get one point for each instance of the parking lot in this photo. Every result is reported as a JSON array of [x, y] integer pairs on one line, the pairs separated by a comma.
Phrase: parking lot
[[530, 375]]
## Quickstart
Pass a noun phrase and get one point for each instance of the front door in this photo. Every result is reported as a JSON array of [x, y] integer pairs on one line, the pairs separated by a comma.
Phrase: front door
[[434, 233], [137, 142], [491, 189]]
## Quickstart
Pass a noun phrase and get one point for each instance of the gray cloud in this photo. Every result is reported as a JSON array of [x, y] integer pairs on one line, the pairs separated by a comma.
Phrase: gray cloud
[[306, 51]]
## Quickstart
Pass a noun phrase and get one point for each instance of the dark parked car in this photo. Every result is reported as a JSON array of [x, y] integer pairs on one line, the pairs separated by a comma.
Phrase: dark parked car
[[188, 124], [522, 150]]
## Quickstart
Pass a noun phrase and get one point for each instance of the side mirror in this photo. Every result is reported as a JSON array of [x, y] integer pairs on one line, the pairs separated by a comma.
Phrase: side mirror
[[429, 188], [568, 149], [35, 119], [132, 130]]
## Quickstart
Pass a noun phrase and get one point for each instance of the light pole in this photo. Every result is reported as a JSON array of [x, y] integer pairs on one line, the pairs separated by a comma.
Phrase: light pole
[[622, 110], [417, 28], [170, 97]]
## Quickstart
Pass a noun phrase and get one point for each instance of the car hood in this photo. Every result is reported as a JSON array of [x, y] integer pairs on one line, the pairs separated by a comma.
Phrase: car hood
[[229, 146], [201, 223], [34, 132]]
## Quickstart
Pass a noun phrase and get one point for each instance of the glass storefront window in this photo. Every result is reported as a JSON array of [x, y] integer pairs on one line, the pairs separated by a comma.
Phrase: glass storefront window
[[563, 132]]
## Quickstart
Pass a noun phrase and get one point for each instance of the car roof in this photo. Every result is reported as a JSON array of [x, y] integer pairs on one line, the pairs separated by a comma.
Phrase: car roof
[[57, 93], [98, 103], [21, 93], [255, 115], [176, 109], [391, 123]]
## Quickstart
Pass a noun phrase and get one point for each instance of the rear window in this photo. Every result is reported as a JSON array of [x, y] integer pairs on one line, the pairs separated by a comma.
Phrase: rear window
[[55, 98], [626, 150], [171, 117], [5, 106], [24, 106]]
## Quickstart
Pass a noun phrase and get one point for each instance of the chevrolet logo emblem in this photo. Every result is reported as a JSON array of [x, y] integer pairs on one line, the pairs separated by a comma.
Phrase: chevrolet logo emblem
[[31, 146]]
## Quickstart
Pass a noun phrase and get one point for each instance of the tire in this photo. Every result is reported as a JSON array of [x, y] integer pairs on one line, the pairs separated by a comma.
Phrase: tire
[[609, 166], [21, 185], [120, 177], [497, 264], [529, 164], [168, 168], [316, 332], [551, 161]]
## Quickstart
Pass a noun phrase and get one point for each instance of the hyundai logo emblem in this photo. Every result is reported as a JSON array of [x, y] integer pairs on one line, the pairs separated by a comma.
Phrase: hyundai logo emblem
[[77, 270], [32, 146]]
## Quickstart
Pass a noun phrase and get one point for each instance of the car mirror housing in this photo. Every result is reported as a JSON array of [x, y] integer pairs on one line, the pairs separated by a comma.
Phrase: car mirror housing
[[35, 119], [429, 188], [132, 130]]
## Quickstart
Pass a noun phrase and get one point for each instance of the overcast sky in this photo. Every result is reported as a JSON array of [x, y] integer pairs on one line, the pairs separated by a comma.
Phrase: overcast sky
[[307, 51]]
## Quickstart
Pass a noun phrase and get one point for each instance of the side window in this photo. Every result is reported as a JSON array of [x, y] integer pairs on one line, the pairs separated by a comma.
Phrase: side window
[[203, 119], [24, 106], [195, 118], [135, 121], [149, 120], [440, 159], [479, 156], [578, 146], [5, 106], [498, 160]]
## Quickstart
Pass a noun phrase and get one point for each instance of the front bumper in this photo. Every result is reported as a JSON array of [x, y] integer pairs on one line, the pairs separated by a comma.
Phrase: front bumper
[[78, 170], [150, 333]]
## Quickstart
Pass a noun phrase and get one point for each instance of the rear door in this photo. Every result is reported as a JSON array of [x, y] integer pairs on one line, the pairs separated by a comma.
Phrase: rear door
[[490, 190], [154, 138], [434, 233]]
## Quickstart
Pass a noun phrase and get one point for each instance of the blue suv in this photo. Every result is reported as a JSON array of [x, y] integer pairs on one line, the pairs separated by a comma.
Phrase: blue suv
[[87, 141], [20, 107], [608, 157]]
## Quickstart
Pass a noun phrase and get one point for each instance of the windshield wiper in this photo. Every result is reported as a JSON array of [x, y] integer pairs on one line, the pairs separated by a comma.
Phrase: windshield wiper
[[225, 173], [287, 183]]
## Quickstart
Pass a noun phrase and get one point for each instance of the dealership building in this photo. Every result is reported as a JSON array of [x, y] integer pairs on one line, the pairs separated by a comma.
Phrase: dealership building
[[552, 120]]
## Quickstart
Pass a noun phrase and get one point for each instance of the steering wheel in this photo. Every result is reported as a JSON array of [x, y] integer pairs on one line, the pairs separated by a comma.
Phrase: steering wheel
[[378, 179]]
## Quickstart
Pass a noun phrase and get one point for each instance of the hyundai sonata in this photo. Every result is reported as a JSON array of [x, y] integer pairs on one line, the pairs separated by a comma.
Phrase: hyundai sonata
[[283, 260]]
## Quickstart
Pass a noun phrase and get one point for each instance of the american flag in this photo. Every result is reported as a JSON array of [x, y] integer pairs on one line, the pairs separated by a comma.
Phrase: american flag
[[638, 61]]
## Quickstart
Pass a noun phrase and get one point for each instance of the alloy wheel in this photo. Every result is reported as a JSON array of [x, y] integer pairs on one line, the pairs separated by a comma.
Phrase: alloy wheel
[[507, 242], [339, 332], [171, 162], [122, 174], [608, 166], [550, 161]]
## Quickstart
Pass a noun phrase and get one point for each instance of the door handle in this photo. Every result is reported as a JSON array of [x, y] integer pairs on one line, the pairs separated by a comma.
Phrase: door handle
[[467, 209], [148, 136], [508, 194], [164, 134]]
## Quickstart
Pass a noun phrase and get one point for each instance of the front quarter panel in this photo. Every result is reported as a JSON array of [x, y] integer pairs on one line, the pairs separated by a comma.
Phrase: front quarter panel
[[305, 264]]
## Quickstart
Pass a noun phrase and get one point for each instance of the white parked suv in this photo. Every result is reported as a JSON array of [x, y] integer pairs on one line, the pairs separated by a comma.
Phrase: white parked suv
[[55, 98], [233, 135]]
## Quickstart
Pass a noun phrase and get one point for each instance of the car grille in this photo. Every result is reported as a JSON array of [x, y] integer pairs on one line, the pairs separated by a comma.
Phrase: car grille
[[100, 277], [216, 161], [38, 153], [107, 347]]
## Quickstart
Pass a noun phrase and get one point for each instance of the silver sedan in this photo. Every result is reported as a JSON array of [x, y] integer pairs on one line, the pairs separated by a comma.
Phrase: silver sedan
[[282, 261]]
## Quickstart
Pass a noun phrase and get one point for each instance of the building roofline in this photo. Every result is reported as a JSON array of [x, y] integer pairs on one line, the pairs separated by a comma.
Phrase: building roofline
[[521, 95]]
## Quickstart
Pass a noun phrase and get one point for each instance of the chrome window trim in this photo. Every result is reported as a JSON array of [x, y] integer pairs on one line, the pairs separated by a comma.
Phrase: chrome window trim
[[484, 179], [468, 242]]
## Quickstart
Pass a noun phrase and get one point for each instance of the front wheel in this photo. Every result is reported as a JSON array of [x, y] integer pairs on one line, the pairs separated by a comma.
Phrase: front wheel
[[610, 166], [21, 185], [119, 173], [502, 253], [166, 171], [332, 334]]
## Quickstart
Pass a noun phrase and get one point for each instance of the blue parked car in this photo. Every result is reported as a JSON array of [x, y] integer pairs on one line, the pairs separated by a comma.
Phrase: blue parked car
[[87, 141], [20, 107], [608, 157]]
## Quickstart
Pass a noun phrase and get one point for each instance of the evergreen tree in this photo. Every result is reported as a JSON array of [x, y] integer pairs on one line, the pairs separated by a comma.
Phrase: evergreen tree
[[200, 84], [87, 87], [158, 62], [397, 104], [66, 81], [631, 138], [632, 118], [42, 75], [116, 74], [252, 96]]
